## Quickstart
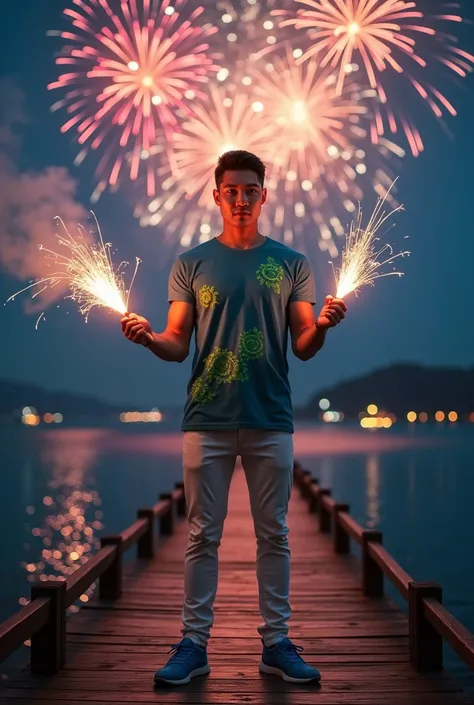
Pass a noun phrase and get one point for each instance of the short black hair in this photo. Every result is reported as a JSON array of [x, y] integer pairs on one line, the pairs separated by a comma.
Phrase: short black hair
[[238, 159]]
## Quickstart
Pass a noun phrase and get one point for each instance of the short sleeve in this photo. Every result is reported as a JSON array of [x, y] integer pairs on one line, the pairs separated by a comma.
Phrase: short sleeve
[[179, 287], [303, 285]]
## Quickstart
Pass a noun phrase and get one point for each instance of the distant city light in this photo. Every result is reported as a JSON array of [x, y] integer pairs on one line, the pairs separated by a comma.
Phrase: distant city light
[[372, 409], [453, 416], [333, 416], [324, 404], [423, 417], [30, 419], [440, 416], [376, 422], [411, 416], [153, 416]]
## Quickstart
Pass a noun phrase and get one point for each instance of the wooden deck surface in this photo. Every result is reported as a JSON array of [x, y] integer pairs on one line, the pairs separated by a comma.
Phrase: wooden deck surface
[[359, 644]]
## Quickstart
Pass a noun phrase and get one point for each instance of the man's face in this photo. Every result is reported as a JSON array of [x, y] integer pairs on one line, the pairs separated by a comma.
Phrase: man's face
[[240, 197]]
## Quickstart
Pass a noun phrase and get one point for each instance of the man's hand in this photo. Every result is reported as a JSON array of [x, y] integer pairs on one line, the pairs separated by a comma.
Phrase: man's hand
[[332, 313], [135, 328]]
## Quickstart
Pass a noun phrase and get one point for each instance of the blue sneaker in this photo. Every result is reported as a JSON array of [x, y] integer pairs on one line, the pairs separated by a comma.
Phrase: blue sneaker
[[283, 659], [188, 660]]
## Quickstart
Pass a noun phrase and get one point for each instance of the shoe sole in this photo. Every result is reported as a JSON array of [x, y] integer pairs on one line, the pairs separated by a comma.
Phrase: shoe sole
[[203, 671], [263, 668]]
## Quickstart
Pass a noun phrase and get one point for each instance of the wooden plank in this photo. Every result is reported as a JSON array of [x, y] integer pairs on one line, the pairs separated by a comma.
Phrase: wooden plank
[[385, 678], [180, 695], [240, 645]]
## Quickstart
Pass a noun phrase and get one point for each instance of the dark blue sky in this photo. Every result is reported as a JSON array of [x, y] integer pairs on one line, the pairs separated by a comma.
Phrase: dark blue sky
[[424, 317]]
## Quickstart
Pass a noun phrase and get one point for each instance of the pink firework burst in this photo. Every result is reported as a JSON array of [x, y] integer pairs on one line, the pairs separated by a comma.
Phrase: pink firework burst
[[129, 70], [390, 38]]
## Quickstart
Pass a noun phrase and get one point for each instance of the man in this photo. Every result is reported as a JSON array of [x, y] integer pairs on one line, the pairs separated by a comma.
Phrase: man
[[240, 292]]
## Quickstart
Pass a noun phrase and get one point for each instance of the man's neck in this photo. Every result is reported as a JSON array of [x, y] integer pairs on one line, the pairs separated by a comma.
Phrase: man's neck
[[241, 238]]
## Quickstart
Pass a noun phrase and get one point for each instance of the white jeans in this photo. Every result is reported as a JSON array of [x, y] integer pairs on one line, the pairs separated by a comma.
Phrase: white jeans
[[208, 464]]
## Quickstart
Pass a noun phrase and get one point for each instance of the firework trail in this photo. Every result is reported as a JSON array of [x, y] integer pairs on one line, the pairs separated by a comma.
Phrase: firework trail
[[128, 69], [391, 38]]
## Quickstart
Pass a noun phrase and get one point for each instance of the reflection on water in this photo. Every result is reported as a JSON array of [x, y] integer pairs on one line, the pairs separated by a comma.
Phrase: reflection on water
[[68, 517], [372, 475]]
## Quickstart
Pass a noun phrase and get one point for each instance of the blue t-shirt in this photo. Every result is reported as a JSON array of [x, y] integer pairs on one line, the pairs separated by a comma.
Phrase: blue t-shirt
[[240, 370]]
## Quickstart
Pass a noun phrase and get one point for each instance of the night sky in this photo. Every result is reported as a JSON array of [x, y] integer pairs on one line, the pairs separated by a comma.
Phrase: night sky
[[424, 317]]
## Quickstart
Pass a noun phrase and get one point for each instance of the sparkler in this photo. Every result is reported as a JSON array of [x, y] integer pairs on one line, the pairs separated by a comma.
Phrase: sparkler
[[362, 262], [132, 66], [392, 38], [87, 270]]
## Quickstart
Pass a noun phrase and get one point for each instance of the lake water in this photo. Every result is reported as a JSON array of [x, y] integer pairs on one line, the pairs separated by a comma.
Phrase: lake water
[[62, 488]]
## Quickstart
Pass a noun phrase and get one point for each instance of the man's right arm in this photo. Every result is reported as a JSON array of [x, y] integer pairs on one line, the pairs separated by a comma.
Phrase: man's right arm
[[173, 344]]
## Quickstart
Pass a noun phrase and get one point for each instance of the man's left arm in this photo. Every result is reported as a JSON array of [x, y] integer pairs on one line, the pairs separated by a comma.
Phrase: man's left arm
[[308, 334]]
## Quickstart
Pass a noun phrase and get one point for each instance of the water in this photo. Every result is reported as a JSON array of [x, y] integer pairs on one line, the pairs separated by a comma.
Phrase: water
[[63, 488]]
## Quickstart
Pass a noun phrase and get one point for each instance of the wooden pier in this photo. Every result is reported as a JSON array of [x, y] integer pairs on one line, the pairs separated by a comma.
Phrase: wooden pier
[[368, 651]]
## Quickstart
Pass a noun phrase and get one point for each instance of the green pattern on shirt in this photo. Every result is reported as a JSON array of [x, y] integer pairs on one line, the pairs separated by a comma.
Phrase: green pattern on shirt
[[208, 296], [223, 366], [270, 274]]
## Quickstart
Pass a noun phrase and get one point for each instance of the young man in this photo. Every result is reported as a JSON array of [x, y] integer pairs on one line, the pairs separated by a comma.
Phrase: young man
[[240, 292]]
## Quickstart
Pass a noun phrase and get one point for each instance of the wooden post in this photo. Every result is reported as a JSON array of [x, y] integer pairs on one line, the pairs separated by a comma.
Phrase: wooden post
[[324, 515], [426, 645], [166, 520], [181, 504], [110, 582], [303, 486], [340, 537], [372, 574], [296, 472], [146, 542], [313, 497], [48, 645]]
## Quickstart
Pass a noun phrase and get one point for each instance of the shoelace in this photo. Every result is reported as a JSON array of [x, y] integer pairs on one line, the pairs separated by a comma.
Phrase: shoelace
[[291, 651], [180, 652]]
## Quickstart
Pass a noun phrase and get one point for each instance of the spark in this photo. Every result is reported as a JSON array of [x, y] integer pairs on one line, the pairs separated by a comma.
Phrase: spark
[[362, 262], [128, 69], [88, 272], [391, 38]]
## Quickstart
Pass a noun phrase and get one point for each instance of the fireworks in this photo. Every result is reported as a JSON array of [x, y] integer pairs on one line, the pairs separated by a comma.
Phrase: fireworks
[[227, 122], [88, 272], [362, 262], [312, 141], [318, 153], [390, 37], [130, 70]]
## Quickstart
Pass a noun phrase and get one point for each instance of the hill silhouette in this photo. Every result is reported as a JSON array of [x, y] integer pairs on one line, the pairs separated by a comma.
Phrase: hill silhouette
[[398, 389], [14, 396]]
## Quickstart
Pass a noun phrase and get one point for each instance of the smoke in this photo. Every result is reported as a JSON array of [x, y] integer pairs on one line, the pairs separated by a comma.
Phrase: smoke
[[29, 202]]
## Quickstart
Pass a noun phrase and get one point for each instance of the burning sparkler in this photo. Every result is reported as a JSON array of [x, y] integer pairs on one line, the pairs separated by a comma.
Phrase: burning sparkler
[[88, 272], [391, 38], [362, 262], [132, 66]]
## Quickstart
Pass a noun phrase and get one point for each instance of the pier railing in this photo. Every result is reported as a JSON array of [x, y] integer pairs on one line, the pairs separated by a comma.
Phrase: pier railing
[[43, 620], [428, 621]]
